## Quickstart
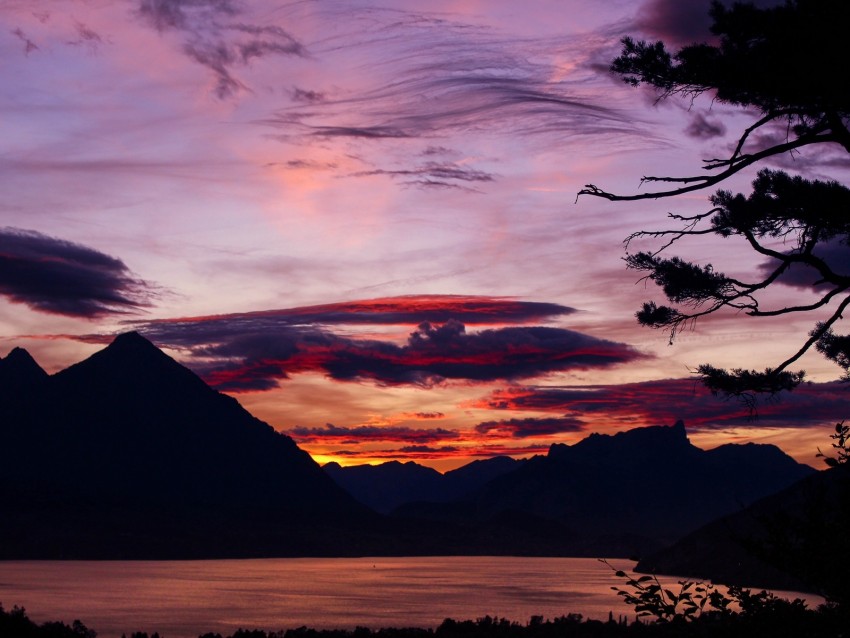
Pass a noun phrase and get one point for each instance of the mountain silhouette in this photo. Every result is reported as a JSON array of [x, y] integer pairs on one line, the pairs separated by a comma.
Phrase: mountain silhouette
[[789, 540], [129, 454], [19, 372], [387, 486], [115, 455], [628, 493]]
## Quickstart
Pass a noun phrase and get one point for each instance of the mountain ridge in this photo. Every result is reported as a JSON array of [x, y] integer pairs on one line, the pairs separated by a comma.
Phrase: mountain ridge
[[139, 443], [639, 486], [128, 454]]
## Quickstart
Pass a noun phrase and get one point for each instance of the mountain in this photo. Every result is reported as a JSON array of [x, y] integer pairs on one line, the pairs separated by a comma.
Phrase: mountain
[[19, 372], [130, 454], [386, 486], [790, 540], [625, 494]]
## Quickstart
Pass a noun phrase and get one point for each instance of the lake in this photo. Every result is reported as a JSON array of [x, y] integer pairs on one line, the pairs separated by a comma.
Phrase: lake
[[182, 599]]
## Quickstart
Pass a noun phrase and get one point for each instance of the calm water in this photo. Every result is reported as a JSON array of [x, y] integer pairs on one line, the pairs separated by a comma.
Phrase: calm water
[[182, 599]]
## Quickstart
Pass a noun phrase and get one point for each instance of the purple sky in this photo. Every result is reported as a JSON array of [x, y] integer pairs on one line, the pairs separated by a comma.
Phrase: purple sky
[[360, 218]]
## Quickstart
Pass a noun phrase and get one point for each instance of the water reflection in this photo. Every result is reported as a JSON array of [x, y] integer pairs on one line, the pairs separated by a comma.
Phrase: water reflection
[[182, 599]]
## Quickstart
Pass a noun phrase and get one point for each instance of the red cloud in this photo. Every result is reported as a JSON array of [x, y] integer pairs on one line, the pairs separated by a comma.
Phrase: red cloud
[[401, 310], [668, 400], [531, 427], [426, 452], [253, 351], [335, 435]]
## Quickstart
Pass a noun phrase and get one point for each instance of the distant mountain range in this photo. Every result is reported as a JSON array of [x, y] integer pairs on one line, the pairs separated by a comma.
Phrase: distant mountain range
[[626, 494], [128, 454], [386, 486]]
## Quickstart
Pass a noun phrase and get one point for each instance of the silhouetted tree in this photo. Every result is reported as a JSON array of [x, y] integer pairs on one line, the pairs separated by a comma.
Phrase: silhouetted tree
[[780, 62]]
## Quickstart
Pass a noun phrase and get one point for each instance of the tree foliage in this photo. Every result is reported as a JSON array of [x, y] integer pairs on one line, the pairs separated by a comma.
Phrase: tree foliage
[[694, 600], [841, 446], [779, 62]]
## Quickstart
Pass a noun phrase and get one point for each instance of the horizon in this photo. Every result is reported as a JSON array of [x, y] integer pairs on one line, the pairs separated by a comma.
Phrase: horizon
[[585, 434], [360, 220]]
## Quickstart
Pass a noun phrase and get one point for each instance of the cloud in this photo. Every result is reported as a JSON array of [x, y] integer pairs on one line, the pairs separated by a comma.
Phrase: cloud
[[332, 434], [458, 98], [29, 45], [439, 79], [433, 353], [531, 427], [676, 22], [61, 277], [87, 37], [665, 401], [834, 253], [431, 174], [307, 95], [214, 38], [703, 128], [253, 351], [681, 23], [428, 452], [428, 415], [183, 14], [405, 309]]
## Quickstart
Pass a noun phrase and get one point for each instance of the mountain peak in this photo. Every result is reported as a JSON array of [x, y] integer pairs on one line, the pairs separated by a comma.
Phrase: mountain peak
[[19, 358], [131, 340], [636, 444], [131, 348], [19, 370], [131, 361]]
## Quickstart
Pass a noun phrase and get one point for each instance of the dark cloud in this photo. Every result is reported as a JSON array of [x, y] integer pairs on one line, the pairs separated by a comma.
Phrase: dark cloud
[[375, 132], [438, 77], [835, 254], [183, 14], [665, 401], [87, 37], [676, 22], [803, 161], [427, 449], [215, 39], [436, 353], [703, 128], [252, 351], [531, 427], [681, 22], [306, 95], [458, 101], [60, 277], [332, 434], [433, 353], [408, 310], [29, 45], [424, 452], [433, 174]]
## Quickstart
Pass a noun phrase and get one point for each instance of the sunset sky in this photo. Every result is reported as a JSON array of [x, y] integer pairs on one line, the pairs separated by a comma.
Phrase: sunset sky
[[359, 218]]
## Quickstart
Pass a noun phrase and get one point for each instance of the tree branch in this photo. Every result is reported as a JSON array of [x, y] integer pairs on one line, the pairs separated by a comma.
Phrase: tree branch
[[704, 182], [817, 334]]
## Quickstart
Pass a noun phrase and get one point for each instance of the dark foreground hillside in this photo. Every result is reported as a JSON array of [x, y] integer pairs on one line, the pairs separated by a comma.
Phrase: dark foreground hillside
[[785, 619]]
